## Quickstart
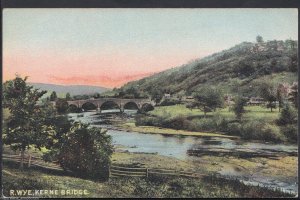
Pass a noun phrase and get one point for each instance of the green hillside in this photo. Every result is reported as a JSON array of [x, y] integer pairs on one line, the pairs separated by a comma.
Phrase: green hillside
[[238, 67]]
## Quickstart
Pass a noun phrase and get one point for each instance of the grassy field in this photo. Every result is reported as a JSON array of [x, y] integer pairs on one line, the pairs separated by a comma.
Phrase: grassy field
[[154, 186], [256, 112]]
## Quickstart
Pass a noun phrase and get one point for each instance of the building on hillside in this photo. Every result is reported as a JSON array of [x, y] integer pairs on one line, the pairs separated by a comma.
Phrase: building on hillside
[[188, 98], [256, 101], [167, 96], [228, 99]]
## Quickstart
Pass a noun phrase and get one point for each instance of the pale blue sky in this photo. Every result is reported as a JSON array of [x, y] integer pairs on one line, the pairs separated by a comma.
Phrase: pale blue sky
[[138, 34]]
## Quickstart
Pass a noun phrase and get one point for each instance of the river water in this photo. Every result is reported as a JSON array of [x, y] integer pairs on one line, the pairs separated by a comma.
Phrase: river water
[[190, 147]]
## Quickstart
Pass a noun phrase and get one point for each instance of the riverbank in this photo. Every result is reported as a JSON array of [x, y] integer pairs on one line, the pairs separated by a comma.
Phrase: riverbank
[[131, 187], [130, 126], [281, 171], [268, 164]]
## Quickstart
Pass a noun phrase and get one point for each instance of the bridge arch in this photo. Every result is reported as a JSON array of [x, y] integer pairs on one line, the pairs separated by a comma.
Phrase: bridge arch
[[107, 105], [89, 106], [131, 106], [73, 108], [73, 105]]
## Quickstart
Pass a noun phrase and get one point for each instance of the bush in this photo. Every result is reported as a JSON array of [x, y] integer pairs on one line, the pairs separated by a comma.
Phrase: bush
[[256, 130], [86, 151], [290, 132], [251, 129], [148, 121], [204, 124], [169, 102], [178, 122], [62, 105], [234, 128], [288, 115], [271, 133]]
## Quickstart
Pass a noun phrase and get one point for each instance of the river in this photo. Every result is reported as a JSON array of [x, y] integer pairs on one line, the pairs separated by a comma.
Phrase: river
[[190, 147]]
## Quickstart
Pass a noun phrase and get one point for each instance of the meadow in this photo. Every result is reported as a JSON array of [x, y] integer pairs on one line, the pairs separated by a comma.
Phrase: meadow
[[131, 187]]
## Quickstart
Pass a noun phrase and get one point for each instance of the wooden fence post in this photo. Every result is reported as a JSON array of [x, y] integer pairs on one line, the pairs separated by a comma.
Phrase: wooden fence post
[[29, 161]]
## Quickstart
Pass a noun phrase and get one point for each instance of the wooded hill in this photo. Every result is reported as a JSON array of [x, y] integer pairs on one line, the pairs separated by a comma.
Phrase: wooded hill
[[232, 70]]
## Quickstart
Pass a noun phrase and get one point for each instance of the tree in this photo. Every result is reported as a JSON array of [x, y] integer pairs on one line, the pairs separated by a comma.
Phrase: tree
[[68, 96], [132, 91], [238, 107], [96, 96], [85, 151], [156, 95], [26, 125], [208, 99], [259, 39], [291, 44], [53, 96], [293, 95], [61, 105], [282, 94], [121, 94], [269, 93], [288, 115]]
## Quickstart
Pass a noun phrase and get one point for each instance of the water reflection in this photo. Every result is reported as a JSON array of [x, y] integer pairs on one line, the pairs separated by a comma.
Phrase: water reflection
[[182, 146], [189, 147]]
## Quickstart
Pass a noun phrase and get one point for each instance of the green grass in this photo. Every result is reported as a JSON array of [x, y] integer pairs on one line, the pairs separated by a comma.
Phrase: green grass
[[154, 186], [256, 112]]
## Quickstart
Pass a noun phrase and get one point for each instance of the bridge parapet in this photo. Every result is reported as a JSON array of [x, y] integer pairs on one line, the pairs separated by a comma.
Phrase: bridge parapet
[[120, 102]]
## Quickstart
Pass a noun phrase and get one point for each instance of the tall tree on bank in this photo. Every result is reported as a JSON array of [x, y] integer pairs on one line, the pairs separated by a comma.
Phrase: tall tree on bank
[[68, 96], [26, 124], [293, 95], [268, 91], [259, 39], [238, 107], [53, 96], [208, 99]]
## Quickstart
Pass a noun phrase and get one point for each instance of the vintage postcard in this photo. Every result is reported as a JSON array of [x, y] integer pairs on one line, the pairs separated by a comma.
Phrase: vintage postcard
[[150, 103]]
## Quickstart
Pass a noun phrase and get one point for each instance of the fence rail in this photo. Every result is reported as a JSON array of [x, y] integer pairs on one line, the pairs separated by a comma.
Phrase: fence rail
[[119, 171], [114, 171], [32, 161]]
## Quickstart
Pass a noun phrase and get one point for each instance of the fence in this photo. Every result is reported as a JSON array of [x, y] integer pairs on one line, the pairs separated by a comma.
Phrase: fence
[[114, 171], [119, 171], [32, 161]]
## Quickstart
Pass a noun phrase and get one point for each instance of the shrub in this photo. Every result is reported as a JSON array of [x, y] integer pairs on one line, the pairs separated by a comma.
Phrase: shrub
[[204, 124], [234, 128], [288, 115], [169, 102], [62, 105], [178, 122], [148, 121], [86, 151], [271, 133], [290, 132]]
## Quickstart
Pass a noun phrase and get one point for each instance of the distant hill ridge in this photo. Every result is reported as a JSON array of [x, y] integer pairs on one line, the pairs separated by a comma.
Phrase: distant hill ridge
[[72, 89], [242, 64]]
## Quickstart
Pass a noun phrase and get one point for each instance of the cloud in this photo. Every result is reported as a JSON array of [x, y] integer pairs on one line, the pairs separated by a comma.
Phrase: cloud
[[99, 80]]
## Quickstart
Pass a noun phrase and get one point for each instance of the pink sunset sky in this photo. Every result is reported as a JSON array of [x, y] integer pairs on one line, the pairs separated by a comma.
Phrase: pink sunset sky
[[109, 47]]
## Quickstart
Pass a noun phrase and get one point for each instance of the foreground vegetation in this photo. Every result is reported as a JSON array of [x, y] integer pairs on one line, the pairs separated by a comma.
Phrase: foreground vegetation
[[154, 186]]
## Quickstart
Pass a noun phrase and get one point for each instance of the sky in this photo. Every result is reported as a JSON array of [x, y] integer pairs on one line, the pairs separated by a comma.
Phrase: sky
[[109, 47]]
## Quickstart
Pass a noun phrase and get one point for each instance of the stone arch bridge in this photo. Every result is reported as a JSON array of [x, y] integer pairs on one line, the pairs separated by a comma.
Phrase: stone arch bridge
[[121, 103]]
